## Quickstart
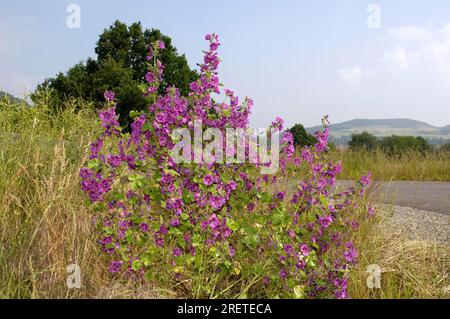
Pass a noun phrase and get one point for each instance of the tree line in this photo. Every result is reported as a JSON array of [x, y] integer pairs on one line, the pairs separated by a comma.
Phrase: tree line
[[394, 144]]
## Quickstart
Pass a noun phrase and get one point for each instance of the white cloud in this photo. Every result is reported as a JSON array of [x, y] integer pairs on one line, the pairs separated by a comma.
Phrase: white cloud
[[351, 75], [409, 78], [426, 61], [397, 59]]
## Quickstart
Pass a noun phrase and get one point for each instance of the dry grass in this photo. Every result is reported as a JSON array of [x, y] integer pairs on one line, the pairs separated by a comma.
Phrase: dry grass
[[409, 268], [44, 225], [433, 166]]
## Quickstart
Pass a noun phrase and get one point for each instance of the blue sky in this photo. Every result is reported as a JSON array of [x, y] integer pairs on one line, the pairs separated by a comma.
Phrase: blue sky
[[296, 59]]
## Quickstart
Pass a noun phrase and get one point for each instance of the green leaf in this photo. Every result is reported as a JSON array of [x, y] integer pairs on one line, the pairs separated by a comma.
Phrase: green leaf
[[171, 172], [134, 114], [117, 196], [198, 260], [99, 206], [143, 87], [196, 240], [323, 201], [149, 275], [259, 269], [146, 259], [94, 163], [147, 127], [234, 226], [265, 197], [133, 200], [137, 181], [136, 265], [187, 197]]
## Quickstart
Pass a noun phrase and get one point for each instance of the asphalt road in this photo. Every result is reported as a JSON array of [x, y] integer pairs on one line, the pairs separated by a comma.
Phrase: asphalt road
[[430, 196]]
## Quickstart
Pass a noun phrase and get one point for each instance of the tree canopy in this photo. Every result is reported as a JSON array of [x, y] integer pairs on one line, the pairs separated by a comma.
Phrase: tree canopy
[[363, 140], [301, 137], [120, 66], [391, 145], [396, 145]]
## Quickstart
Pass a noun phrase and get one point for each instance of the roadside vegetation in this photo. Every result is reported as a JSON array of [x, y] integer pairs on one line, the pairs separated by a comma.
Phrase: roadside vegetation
[[410, 166], [45, 226], [392, 158], [402, 158]]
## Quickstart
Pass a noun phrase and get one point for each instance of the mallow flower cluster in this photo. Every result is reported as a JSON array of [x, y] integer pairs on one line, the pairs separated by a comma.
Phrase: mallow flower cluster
[[216, 228]]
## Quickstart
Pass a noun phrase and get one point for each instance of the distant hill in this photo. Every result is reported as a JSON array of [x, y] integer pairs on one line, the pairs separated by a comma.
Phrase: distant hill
[[446, 129], [10, 97], [341, 132]]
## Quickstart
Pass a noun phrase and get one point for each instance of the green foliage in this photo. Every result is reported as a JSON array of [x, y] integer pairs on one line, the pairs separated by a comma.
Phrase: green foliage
[[363, 140], [397, 145], [120, 66], [390, 145], [301, 137]]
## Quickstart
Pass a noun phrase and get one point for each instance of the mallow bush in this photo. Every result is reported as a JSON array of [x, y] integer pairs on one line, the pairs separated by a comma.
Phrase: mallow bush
[[214, 229]]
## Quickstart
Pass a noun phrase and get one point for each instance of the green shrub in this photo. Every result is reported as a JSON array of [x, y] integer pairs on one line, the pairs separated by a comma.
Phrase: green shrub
[[363, 140]]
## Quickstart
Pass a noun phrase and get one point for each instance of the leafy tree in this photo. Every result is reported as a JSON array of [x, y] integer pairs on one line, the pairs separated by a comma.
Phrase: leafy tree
[[363, 140], [396, 145], [301, 137], [120, 66]]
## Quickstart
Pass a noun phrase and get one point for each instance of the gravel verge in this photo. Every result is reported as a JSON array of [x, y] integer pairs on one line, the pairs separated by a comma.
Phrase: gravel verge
[[417, 224]]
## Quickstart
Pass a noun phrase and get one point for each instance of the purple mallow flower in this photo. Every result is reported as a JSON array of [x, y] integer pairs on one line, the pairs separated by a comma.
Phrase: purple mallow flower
[[149, 77], [109, 121], [304, 249], [217, 202], [175, 222], [109, 95], [208, 180], [350, 254], [115, 266], [143, 227], [366, 179], [213, 221], [288, 249], [231, 251], [176, 252], [325, 221], [278, 123], [280, 195]]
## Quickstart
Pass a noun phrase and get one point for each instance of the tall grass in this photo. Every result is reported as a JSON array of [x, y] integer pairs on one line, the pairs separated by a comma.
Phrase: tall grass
[[45, 226], [429, 166], [43, 223], [409, 268]]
